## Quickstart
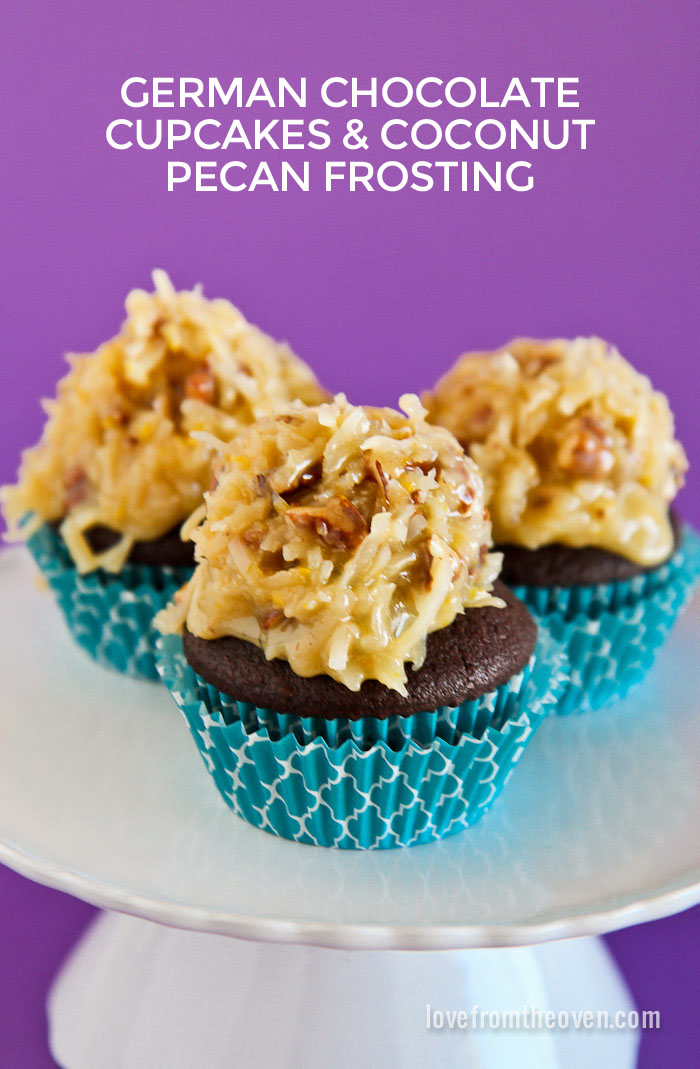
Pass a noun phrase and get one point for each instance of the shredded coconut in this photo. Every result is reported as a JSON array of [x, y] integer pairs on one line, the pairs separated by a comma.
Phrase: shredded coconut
[[338, 538], [128, 441], [574, 445]]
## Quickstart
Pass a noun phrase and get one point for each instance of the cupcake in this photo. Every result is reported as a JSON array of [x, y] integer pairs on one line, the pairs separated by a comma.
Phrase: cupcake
[[126, 455], [351, 669], [581, 466]]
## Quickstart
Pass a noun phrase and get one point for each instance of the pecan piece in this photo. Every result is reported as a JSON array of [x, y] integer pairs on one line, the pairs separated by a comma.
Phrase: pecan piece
[[303, 481], [426, 466], [465, 491], [585, 451], [376, 472], [424, 560], [337, 522], [481, 420], [200, 385], [157, 327], [271, 618], [540, 499], [117, 416], [534, 365], [76, 486], [253, 535]]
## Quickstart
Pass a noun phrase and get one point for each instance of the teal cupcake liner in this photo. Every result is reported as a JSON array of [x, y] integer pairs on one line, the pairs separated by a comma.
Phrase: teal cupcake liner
[[376, 786], [109, 615], [592, 601], [608, 655], [447, 723]]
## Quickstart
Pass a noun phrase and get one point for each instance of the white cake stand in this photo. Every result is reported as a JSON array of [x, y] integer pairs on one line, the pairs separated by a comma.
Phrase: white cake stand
[[103, 795]]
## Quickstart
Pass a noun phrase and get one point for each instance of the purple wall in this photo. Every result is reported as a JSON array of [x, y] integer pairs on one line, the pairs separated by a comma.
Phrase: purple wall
[[378, 291]]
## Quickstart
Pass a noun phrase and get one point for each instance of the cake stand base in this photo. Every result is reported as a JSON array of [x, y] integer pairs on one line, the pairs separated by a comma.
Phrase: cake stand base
[[135, 994]]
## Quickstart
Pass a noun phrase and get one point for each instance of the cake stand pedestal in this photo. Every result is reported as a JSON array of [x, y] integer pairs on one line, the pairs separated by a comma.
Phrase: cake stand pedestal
[[136, 994]]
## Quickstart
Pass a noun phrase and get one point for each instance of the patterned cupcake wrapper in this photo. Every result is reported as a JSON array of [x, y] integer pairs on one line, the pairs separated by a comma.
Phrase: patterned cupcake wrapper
[[376, 786], [683, 568], [612, 652], [109, 615]]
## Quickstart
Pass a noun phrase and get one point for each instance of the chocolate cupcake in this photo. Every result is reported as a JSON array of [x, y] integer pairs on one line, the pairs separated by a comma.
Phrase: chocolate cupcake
[[126, 455], [580, 465], [350, 667]]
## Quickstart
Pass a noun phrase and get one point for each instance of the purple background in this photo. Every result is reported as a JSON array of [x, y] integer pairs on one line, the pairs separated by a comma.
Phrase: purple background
[[380, 292]]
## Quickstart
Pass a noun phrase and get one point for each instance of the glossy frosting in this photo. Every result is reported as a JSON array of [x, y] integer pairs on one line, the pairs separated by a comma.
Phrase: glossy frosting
[[574, 445], [338, 538], [117, 449]]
